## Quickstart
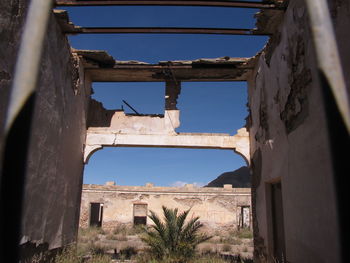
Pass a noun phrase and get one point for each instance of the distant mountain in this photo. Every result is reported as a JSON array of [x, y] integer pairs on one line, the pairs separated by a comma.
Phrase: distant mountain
[[239, 178]]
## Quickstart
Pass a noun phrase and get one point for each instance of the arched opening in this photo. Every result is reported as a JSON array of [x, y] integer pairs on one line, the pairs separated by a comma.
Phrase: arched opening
[[160, 166], [131, 182]]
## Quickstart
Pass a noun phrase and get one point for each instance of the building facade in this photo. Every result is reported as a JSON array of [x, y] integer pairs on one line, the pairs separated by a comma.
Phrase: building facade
[[109, 205]]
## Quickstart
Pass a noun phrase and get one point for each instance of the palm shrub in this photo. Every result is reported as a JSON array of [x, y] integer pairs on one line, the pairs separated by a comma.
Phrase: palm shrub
[[172, 239]]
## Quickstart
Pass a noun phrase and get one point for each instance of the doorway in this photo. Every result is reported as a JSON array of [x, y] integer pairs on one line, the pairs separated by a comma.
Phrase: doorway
[[277, 222], [96, 214]]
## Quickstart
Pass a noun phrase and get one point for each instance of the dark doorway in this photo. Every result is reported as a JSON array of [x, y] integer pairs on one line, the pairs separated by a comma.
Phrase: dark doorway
[[96, 214], [279, 249], [244, 217], [140, 214]]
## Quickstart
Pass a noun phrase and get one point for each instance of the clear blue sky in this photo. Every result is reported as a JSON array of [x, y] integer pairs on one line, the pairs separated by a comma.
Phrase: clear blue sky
[[205, 107]]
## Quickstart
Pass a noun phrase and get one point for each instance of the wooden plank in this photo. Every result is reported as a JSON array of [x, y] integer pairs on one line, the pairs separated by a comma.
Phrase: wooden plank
[[236, 4], [158, 75], [163, 30]]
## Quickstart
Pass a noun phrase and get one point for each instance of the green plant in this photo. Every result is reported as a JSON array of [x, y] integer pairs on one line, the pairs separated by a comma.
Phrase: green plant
[[173, 240]]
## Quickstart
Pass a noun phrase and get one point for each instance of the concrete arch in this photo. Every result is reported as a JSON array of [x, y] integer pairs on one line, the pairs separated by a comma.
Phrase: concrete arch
[[97, 139]]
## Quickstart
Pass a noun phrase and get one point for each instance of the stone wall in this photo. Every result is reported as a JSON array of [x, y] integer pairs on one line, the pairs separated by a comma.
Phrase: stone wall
[[54, 169], [290, 144], [216, 207]]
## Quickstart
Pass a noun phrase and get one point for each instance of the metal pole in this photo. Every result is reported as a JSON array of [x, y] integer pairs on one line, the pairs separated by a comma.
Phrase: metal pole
[[127, 104], [327, 54]]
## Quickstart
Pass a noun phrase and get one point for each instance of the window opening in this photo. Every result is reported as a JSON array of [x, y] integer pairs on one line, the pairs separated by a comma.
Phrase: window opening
[[140, 214]]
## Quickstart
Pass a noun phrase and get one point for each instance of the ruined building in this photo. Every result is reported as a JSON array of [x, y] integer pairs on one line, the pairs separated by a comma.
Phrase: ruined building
[[295, 142], [110, 205]]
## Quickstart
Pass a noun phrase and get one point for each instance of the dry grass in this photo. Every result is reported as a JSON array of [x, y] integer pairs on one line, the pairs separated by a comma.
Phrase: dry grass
[[90, 234], [125, 241], [70, 255], [226, 248], [199, 259]]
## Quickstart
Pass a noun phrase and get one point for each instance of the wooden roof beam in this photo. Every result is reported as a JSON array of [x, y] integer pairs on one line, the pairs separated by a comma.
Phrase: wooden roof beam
[[162, 30], [237, 4]]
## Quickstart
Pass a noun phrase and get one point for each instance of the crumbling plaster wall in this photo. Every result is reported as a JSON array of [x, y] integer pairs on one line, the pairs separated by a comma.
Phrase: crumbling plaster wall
[[288, 137], [117, 121], [55, 165], [216, 207]]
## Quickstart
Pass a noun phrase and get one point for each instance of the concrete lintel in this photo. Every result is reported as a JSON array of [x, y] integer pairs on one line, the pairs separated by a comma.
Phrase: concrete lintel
[[100, 67], [98, 139]]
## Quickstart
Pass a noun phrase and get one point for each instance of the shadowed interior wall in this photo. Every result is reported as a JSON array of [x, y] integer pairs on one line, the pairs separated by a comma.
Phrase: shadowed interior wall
[[290, 144], [340, 12], [53, 180], [12, 14]]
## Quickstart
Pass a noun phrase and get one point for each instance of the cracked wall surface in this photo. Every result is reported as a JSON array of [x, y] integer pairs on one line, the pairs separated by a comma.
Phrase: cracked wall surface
[[289, 143], [216, 207]]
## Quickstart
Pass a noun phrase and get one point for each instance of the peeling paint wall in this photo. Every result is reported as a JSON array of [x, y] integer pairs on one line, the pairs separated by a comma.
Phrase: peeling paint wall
[[289, 144], [55, 165], [216, 207]]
